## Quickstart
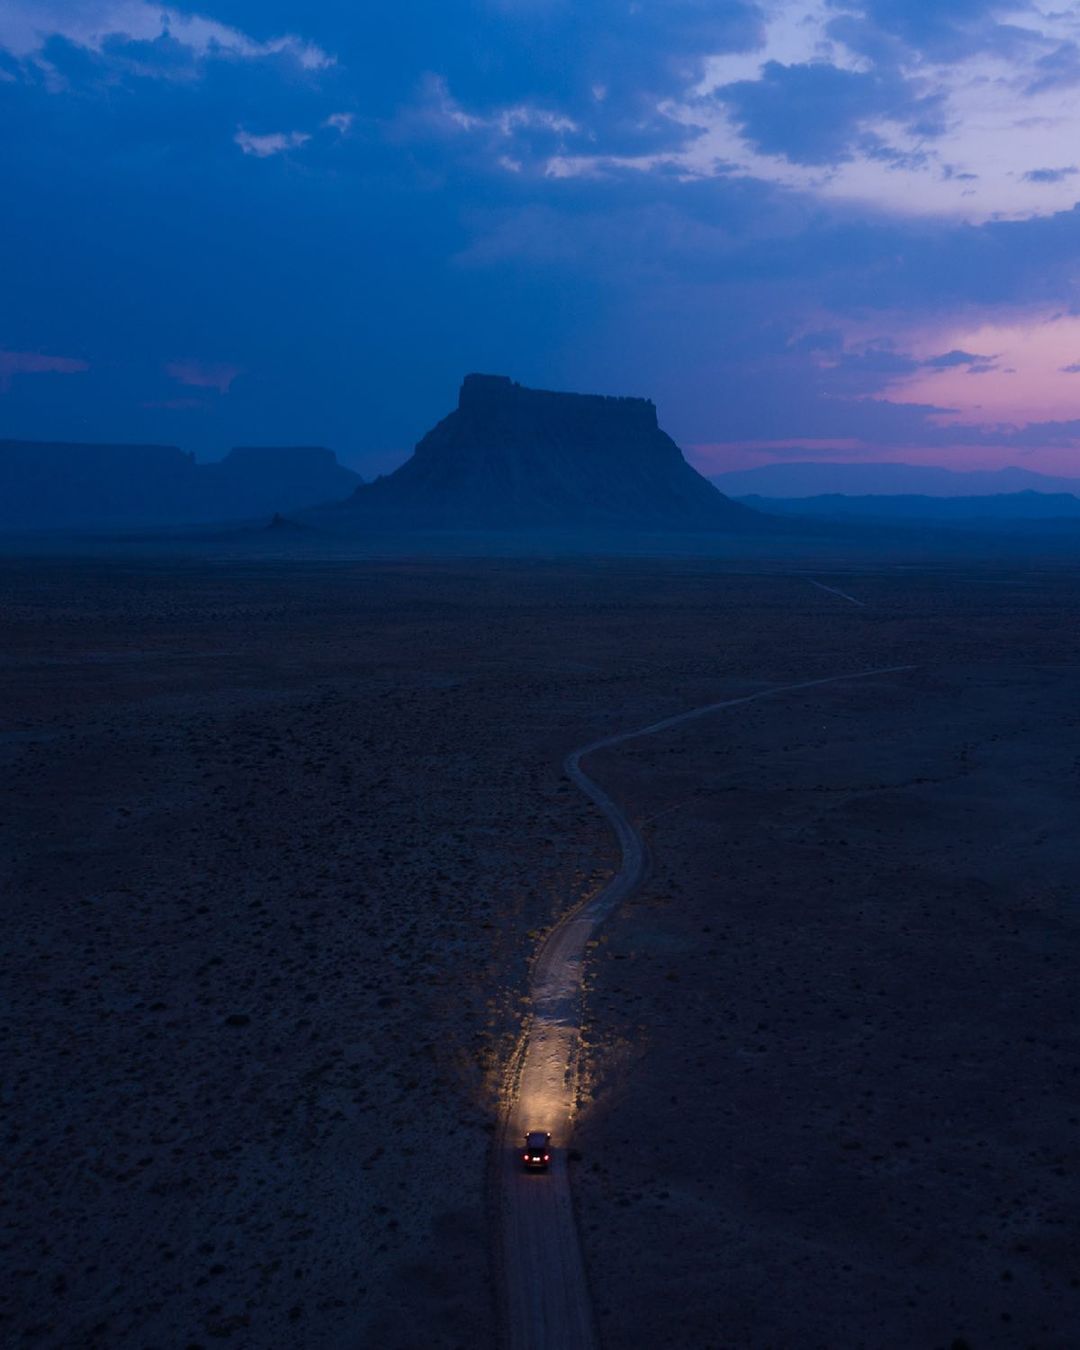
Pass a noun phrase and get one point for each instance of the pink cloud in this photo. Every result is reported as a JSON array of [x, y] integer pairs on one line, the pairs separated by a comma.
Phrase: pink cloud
[[34, 363], [203, 375], [1028, 380]]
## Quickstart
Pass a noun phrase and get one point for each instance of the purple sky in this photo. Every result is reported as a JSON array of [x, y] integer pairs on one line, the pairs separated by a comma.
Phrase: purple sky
[[835, 228]]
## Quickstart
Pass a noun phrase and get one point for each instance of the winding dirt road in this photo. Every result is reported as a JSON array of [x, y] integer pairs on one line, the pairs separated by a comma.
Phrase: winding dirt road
[[545, 1293]]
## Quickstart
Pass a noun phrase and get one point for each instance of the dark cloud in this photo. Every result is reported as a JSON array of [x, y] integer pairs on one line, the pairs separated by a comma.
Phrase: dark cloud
[[867, 367], [884, 29], [864, 368], [1057, 69], [931, 267], [821, 114], [976, 364], [866, 39], [605, 65], [954, 358], [1049, 175]]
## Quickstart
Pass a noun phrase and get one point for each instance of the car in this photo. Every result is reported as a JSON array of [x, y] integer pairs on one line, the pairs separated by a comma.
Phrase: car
[[537, 1151]]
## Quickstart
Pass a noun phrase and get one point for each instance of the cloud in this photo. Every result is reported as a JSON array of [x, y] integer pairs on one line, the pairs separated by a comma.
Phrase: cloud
[[1073, 369], [271, 143], [950, 173], [340, 121], [437, 113], [506, 138], [953, 358], [203, 375], [1049, 175], [928, 28], [861, 368], [817, 113], [1056, 69], [35, 363], [976, 364], [912, 106], [126, 30], [605, 70]]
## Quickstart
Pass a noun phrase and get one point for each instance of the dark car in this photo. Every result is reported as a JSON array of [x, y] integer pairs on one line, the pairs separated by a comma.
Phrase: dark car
[[537, 1151]]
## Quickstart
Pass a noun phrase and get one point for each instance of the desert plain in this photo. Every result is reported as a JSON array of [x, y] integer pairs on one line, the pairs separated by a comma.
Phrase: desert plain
[[281, 836]]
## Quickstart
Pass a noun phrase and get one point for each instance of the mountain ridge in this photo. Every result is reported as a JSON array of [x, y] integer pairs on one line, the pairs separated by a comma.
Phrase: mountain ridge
[[52, 485], [814, 478], [987, 509]]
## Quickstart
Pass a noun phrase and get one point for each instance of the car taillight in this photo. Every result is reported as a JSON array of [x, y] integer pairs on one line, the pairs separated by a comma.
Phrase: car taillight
[[547, 1158], [524, 1157]]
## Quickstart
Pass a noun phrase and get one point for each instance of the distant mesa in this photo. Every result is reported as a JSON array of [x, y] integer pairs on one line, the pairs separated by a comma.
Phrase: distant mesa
[[48, 485], [985, 509], [816, 478], [511, 458], [253, 480]]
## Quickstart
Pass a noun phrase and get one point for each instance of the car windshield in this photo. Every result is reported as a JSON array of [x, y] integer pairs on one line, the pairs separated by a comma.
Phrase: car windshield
[[536, 1140]]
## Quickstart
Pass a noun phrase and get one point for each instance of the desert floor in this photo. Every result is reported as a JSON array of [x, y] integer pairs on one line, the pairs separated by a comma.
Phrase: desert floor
[[280, 837], [832, 1091]]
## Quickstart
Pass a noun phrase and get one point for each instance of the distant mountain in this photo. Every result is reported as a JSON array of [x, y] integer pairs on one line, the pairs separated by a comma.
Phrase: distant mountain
[[814, 478], [989, 510], [511, 458], [256, 480], [54, 485]]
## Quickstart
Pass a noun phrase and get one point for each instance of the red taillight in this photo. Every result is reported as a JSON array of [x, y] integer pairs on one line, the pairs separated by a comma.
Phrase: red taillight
[[547, 1158], [524, 1157]]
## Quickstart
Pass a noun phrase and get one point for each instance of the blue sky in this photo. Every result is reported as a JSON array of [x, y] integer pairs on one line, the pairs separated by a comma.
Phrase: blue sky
[[843, 228]]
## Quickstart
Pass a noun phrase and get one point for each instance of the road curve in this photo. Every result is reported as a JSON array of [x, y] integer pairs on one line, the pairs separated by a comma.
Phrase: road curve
[[545, 1294]]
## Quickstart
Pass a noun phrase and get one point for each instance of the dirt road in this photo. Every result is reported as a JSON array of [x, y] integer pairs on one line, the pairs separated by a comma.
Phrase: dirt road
[[546, 1304]]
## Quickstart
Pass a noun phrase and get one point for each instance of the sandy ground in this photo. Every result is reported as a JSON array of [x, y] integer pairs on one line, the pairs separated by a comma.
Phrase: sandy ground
[[275, 851], [280, 838], [833, 1087]]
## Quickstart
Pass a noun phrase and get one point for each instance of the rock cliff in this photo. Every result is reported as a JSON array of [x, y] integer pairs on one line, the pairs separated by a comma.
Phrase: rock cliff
[[510, 458]]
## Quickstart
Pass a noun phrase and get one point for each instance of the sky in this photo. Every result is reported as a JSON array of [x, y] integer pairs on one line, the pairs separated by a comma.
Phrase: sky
[[836, 229]]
